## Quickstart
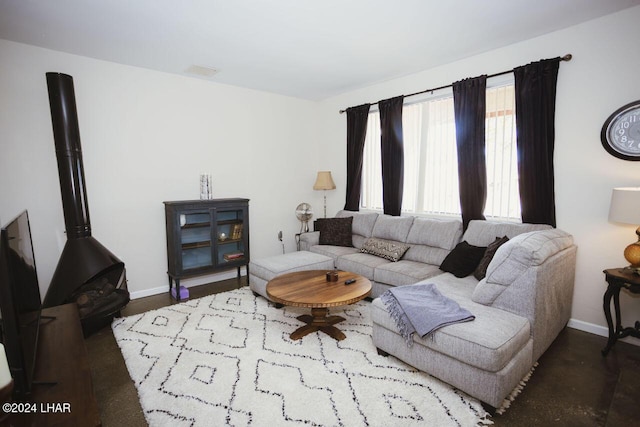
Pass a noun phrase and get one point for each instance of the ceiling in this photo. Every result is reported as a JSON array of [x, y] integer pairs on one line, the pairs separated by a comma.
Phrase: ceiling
[[310, 49]]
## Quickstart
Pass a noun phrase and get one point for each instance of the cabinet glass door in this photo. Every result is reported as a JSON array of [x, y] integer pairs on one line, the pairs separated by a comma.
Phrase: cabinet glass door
[[195, 240], [230, 232]]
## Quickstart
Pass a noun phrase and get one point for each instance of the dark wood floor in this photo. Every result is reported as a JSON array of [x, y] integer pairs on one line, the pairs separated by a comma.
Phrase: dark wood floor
[[572, 386]]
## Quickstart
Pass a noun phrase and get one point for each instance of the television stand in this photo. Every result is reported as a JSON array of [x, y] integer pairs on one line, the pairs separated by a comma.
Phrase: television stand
[[62, 390]]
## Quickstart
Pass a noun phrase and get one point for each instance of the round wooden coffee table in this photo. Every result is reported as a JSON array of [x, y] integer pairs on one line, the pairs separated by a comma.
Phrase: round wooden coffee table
[[311, 289]]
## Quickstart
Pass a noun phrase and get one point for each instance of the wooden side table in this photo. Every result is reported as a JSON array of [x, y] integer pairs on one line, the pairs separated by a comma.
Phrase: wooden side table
[[619, 278]]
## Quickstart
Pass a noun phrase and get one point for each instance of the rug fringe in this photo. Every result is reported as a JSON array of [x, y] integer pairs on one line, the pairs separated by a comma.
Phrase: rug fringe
[[486, 421], [506, 403]]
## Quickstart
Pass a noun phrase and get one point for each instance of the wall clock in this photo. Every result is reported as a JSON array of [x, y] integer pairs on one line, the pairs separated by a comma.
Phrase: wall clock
[[620, 133]]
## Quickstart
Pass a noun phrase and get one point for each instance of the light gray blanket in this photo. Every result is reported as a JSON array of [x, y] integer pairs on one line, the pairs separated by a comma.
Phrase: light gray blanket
[[422, 308]]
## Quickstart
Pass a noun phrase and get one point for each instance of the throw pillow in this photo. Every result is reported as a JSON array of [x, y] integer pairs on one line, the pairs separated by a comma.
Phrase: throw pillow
[[481, 269], [463, 259], [386, 249], [334, 231]]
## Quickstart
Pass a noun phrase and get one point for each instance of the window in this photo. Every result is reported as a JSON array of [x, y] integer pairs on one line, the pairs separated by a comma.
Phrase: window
[[503, 197], [371, 197], [431, 163]]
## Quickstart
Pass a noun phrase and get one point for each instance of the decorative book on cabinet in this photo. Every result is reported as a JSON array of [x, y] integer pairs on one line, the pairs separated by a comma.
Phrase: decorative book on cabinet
[[205, 237]]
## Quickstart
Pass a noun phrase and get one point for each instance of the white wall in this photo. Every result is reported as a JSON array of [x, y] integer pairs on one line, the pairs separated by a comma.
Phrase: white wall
[[146, 137], [602, 76]]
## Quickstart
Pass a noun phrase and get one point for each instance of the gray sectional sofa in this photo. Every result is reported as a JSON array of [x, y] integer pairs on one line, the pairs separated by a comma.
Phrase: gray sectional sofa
[[520, 306]]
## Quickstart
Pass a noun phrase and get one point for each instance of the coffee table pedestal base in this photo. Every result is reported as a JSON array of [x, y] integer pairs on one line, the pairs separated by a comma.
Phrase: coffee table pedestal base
[[319, 321]]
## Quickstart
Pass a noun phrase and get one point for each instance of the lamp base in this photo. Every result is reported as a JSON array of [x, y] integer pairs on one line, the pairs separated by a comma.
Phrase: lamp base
[[632, 254], [325, 203]]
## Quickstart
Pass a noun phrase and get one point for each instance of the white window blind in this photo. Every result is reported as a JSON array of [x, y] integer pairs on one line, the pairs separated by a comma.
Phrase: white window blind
[[503, 197], [371, 193]]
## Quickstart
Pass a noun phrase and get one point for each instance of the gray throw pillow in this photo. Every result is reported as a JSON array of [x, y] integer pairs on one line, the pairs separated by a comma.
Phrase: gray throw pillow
[[386, 249]]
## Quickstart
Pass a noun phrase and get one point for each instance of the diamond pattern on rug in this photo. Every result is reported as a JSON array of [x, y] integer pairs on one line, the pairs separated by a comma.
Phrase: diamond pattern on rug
[[287, 384], [227, 359]]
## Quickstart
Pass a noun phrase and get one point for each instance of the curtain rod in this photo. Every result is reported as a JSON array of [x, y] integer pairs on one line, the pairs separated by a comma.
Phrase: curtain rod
[[566, 57]]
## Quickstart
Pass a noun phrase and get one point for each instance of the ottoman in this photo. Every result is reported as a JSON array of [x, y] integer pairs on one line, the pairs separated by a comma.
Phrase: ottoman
[[265, 269]]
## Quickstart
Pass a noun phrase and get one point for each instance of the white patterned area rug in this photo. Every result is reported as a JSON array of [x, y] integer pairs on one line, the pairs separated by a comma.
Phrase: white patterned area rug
[[226, 359]]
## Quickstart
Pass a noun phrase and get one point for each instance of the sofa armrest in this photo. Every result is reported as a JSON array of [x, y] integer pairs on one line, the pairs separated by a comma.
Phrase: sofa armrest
[[533, 275], [309, 239]]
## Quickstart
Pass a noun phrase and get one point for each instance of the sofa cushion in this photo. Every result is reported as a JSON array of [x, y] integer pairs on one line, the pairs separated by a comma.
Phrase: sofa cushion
[[481, 233], [333, 251], [404, 272], [362, 226], [463, 259], [392, 227], [334, 231], [270, 267], [513, 259], [481, 269], [386, 249], [431, 240], [362, 264], [488, 342]]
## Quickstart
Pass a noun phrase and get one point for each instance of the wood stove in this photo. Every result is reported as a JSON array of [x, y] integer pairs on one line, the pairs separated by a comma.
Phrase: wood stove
[[87, 272]]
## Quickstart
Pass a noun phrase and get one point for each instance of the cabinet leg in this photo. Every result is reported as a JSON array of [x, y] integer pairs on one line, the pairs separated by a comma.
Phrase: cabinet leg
[[177, 287]]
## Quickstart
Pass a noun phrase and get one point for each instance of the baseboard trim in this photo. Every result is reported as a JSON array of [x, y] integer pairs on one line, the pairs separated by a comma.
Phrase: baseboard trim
[[148, 292], [598, 330], [196, 281]]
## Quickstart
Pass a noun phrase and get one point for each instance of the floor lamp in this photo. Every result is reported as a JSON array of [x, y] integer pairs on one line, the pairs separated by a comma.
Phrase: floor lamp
[[324, 182]]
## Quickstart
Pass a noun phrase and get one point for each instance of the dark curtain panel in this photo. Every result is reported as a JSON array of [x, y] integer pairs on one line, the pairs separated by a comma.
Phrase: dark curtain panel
[[356, 132], [535, 86], [469, 103], [392, 153]]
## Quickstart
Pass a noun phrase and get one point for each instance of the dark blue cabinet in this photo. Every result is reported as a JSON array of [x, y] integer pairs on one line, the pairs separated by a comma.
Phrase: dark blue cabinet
[[206, 236]]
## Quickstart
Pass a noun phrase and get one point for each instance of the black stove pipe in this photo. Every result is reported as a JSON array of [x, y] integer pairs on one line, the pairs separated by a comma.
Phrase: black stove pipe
[[64, 118]]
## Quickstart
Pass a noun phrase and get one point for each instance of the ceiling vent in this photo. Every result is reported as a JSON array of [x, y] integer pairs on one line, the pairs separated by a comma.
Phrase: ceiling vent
[[201, 71]]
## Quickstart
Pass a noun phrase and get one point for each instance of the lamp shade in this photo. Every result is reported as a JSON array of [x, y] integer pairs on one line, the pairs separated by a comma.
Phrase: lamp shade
[[324, 181], [625, 205]]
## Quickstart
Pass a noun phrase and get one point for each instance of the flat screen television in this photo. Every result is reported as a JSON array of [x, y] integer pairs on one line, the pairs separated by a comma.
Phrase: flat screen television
[[20, 302]]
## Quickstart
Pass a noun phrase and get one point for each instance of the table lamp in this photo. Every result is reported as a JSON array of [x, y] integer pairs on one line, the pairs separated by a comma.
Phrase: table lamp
[[625, 208], [324, 182]]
